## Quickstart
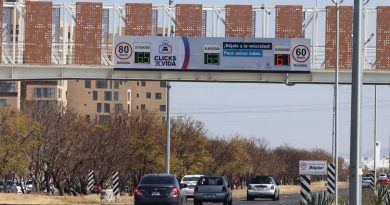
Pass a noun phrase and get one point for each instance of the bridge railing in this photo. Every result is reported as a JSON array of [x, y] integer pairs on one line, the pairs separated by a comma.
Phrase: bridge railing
[[164, 23]]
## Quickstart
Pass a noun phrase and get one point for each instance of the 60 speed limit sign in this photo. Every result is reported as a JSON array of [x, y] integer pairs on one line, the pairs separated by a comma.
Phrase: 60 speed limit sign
[[301, 53], [123, 51]]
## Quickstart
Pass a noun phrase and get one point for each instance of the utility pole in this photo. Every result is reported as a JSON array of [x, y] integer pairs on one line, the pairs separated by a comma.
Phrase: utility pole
[[375, 138], [355, 140], [168, 133], [336, 99]]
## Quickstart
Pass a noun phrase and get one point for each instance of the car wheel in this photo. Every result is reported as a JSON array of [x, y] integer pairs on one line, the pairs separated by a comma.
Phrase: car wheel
[[275, 197], [231, 202], [226, 202], [196, 202], [249, 198]]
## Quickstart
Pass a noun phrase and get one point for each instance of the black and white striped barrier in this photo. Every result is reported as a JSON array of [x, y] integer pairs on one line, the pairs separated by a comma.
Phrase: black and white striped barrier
[[91, 179], [305, 188], [115, 183], [331, 179], [371, 173]]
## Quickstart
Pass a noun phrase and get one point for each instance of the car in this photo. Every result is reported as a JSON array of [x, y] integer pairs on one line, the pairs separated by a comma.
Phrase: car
[[19, 188], [213, 189], [190, 181], [366, 182], [29, 186], [96, 188], [159, 189], [383, 180], [11, 187], [262, 187], [2, 186]]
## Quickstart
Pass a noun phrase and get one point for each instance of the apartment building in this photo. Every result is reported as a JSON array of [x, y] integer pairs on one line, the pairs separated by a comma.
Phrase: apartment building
[[44, 91], [98, 99], [9, 94]]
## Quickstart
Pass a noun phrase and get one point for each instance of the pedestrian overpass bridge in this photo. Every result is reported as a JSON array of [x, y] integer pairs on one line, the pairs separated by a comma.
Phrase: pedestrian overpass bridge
[[45, 40]]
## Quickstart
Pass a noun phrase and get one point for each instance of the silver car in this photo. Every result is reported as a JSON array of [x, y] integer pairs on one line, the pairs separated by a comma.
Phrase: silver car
[[263, 187], [190, 181], [213, 189]]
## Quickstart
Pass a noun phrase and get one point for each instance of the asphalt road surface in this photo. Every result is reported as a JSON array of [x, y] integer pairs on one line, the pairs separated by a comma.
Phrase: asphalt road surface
[[292, 199], [287, 199]]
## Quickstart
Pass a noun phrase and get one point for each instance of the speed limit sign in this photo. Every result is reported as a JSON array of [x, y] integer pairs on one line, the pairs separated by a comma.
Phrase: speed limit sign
[[301, 53], [123, 51]]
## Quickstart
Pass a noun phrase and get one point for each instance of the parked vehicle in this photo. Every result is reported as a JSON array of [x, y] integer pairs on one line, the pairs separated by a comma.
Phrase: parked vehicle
[[19, 188], [366, 182], [159, 189], [29, 186], [383, 180], [213, 189], [11, 187], [2, 186], [190, 181], [262, 187], [96, 188]]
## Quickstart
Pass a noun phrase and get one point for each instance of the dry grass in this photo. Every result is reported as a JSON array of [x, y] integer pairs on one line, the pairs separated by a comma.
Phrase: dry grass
[[44, 199], [95, 199]]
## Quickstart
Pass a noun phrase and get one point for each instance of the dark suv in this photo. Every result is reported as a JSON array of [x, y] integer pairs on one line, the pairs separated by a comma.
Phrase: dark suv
[[157, 189], [263, 187]]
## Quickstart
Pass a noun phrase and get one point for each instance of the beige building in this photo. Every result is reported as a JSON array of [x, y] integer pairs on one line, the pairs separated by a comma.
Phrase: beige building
[[10, 94], [46, 91], [97, 99]]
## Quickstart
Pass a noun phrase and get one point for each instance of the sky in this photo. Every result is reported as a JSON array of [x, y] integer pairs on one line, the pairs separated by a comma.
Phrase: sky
[[300, 115]]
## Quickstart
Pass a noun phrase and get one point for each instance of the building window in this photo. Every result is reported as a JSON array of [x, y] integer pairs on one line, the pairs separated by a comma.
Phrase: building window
[[3, 102], [116, 84], [107, 96], [98, 107], [118, 108], [110, 84], [128, 96], [158, 96], [116, 96], [143, 107], [88, 118], [148, 95], [59, 93], [137, 83], [137, 95], [128, 107], [44, 92], [95, 95], [87, 83], [163, 108], [101, 84], [106, 107], [143, 83], [163, 84], [137, 107]]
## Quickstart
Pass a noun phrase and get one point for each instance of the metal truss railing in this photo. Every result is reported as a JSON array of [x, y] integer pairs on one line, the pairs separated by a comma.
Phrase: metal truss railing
[[164, 18]]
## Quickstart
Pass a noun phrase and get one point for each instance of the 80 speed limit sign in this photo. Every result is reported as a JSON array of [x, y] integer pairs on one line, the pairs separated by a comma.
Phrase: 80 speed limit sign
[[301, 53], [123, 51]]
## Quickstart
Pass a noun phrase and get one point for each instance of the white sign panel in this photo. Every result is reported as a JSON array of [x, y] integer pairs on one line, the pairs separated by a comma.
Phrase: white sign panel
[[312, 167], [211, 54]]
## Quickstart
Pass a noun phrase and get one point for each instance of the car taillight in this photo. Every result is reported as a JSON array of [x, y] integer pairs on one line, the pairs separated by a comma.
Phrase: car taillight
[[137, 192], [196, 189], [224, 189], [175, 192], [272, 187]]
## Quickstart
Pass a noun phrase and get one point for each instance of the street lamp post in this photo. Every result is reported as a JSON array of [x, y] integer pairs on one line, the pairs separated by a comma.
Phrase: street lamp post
[[355, 191], [336, 98]]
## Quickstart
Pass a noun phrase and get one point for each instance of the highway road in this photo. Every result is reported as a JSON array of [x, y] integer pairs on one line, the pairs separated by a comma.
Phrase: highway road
[[290, 199]]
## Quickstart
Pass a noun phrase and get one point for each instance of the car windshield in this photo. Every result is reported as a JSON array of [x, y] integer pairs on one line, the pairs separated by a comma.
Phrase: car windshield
[[1, 183], [212, 181], [264, 180], [10, 182], [366, 178], [158, 180], [29, 182], [190, 179]]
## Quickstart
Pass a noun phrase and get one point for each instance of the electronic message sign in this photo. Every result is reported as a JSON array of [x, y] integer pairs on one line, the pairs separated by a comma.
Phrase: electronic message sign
[[211, 54]]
